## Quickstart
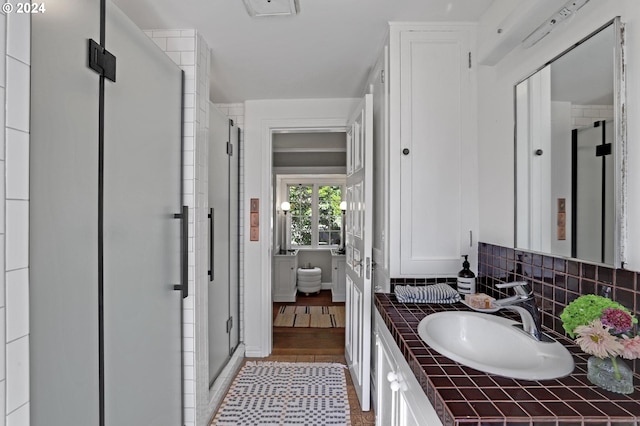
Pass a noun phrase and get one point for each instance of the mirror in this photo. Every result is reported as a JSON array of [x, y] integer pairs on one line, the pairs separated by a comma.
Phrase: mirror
[[569, 152]]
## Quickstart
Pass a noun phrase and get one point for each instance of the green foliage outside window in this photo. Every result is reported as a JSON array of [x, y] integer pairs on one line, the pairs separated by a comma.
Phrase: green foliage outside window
[[329, 215], [300, 197]]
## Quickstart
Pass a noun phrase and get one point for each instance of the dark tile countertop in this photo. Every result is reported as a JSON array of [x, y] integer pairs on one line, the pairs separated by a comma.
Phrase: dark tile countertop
[[462, 395]]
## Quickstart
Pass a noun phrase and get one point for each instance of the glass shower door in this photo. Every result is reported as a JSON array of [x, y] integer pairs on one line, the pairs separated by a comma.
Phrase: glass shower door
[[142, 193]]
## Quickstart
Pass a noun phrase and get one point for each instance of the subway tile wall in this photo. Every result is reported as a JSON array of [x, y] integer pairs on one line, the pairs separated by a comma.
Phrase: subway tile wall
[[556, 281], [586, 115], [15, 72]]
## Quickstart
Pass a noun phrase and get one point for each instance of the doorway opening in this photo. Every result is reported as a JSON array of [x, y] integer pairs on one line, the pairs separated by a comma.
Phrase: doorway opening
[[308, 182]]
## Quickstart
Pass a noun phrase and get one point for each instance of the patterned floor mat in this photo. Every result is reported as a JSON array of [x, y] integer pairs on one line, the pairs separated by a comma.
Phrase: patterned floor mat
[[310, 316], [286, 394]]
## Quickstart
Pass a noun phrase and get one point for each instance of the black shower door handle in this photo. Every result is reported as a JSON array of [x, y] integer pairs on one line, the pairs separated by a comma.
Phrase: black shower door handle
[[184, 252], [211, 221]]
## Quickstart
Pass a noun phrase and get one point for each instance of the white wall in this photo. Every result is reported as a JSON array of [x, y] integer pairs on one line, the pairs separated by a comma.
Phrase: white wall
[[261, 117], [496, 120], [15, 57]]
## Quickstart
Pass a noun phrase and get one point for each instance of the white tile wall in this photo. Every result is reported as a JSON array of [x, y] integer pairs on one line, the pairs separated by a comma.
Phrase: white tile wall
[[14, 224], [17, 235], [3, 356], [19, 35], [17, 373], [17, 155], [17, 93], [2, 117], [17, 311], [19, 417], [201, 414], [585, 115]]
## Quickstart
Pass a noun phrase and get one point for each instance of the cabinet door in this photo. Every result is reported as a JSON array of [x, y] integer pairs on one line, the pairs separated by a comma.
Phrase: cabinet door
[[337, 279], [285, 268], [385, 398], [401, 400], [406, 415], [436, 166]]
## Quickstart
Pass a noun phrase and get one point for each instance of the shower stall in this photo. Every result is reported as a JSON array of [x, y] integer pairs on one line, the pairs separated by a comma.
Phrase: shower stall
[[592, 192]]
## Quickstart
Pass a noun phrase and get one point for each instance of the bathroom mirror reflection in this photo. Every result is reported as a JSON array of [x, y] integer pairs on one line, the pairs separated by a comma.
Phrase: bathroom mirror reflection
[[569, 152]]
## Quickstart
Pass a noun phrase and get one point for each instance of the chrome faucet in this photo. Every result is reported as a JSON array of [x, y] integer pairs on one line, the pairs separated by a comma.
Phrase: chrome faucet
[[524, 303]]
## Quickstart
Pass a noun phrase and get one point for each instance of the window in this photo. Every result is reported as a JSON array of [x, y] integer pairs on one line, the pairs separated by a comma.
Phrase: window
[[301, 199], [329, 215], [316, 218]]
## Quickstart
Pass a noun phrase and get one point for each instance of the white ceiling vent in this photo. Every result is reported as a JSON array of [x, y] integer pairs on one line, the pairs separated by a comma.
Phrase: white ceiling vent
[[260, 8]]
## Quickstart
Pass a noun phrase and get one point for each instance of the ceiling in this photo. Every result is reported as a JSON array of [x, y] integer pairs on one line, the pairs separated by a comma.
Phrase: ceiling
[[325, 51], [585, 75]]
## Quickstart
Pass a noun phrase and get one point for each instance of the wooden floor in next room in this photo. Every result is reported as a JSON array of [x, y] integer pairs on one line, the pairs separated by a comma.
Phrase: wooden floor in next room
[[304, 340]]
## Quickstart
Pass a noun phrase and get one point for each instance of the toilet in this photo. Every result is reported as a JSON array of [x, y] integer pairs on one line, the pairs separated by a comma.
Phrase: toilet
[[309, 280]]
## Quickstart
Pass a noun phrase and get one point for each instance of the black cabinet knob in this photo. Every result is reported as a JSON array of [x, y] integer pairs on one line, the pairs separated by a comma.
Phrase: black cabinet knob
[[405, 151]]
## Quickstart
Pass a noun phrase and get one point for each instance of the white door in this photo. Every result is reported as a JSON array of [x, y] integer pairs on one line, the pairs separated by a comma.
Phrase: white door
[[358, 248]]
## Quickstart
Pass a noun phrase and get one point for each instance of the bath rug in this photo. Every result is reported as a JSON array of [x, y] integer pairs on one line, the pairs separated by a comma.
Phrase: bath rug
[[286, 393], [310, 316]]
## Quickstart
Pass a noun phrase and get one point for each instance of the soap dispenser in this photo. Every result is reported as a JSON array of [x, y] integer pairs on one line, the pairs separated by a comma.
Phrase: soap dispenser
[[466, 278]]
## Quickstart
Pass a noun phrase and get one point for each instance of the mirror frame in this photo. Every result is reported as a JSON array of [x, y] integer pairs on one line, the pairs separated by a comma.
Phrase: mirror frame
[[620, 141]]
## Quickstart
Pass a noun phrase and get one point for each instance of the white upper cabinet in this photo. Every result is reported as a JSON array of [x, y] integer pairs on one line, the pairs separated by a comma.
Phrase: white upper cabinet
[[432, 156]]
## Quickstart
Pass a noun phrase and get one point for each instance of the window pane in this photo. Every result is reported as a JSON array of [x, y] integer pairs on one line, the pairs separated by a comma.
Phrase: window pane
[[329, 215], [300, 199]]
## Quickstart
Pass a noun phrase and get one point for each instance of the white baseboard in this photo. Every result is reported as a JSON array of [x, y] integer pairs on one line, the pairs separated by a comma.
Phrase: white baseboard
[[223, 381]]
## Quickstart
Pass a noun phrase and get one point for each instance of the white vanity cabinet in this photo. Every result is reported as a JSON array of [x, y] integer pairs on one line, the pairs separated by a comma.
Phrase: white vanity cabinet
[[285, 268], [430, 196], [400, 401], [338, 277]]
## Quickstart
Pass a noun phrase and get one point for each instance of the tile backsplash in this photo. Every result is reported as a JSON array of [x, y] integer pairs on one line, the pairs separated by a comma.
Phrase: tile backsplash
[[556, 281]]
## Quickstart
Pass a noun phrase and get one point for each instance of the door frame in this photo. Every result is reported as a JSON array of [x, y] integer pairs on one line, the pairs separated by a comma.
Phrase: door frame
[[267, 130]]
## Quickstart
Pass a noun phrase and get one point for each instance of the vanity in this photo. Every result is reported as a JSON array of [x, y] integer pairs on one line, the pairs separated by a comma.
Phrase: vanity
[[285, 266], [338, 276], [457, 394], [284, 276]]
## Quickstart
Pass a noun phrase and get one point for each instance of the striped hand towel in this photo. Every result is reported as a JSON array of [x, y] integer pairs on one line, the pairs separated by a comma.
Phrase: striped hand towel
[[435, 293]]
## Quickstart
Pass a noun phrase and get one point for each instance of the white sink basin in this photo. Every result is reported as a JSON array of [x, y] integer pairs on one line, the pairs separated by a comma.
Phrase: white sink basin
[[491, 344]]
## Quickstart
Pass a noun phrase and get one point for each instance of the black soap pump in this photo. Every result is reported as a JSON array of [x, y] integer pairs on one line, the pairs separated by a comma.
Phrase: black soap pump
[[466, 278]]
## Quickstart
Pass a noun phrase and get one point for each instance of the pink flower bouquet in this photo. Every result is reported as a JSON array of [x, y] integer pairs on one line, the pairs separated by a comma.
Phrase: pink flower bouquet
[[603, 328]]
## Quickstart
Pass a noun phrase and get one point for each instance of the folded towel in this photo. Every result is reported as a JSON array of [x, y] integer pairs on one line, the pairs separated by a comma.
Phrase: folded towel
[[436, 293]]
